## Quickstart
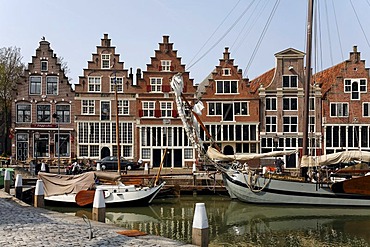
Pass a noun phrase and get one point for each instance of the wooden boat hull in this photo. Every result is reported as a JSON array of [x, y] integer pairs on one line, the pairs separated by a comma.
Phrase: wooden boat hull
[[276, 191], [114, 195]]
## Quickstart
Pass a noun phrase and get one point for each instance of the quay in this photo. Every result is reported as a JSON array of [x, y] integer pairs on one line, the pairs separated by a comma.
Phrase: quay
[[24, 225]]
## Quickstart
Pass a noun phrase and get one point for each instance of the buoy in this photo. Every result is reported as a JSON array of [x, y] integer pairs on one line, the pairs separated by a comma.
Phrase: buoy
[[98, 212], [200, 232]]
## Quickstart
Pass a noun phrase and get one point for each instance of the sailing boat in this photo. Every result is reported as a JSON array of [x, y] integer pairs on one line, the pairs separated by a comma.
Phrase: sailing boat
[[252, 186]]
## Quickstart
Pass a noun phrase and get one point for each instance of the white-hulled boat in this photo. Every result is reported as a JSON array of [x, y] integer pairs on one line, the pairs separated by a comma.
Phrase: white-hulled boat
[[80, 190]]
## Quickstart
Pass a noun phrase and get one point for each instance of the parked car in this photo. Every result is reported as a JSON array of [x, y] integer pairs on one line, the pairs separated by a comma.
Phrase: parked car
[[111, 163]]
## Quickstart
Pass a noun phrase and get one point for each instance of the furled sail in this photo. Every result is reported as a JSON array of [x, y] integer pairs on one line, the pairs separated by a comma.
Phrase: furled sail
[[335, 158], [216, 155]]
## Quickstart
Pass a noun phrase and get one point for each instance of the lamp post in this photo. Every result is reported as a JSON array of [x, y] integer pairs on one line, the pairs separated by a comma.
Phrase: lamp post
[[37, 137], [57, 120]]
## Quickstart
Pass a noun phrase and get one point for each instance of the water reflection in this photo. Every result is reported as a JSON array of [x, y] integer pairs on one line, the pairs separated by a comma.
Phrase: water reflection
[[233, 223]]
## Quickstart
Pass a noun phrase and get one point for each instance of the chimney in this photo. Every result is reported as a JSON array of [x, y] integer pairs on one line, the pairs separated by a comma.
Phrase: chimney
[[138, 76], [105, 41], [355, 48], [226, 54], [356, 54], [131, 77], [165, 39]]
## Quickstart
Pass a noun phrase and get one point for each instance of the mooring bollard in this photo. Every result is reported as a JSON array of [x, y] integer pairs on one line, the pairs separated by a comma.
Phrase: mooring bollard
[[98, 212], [146, 169], [18, 186], [200, 232], [43, 167], [7, 181], [39, 195], [98, 167]]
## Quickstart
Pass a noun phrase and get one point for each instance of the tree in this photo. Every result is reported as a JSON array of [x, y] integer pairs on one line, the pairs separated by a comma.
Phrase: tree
[[65, 68], [11, 69]]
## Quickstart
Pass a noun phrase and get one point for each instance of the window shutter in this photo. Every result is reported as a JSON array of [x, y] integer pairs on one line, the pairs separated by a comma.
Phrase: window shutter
[[148, 88], [174, 113], [141, 114], [157, 113]]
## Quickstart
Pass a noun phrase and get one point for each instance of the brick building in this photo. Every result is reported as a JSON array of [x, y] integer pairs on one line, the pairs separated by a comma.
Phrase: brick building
[[345, 105], [159, 129], [281, 93], [231, 113], [43, 110], [96, 106]]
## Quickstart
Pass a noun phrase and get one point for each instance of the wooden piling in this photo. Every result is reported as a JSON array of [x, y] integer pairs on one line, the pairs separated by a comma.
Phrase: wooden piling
[[98, 212], [200, 231], [18, 187], [7, 181], [39, 195]]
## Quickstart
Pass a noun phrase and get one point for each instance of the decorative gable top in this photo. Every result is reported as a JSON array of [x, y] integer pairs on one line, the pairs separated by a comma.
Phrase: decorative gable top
[[291, 53]]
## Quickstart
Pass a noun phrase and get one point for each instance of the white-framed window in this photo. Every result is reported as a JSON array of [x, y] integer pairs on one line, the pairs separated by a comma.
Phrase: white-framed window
[[312, 104], [355, 87], [241, 108], [290, 81], [105, 61], [88, 107], [226, 72], [94, 84], [23, 113], [188, 153], [63, 145], [290, 104], [226, 87], [44, 65], [366, 109], [52, 85], [104, 110], [271, 124], [156, 84], [119, 82], [166, 109], [338, 109], [64, 113], [215, 108], [145, 153], [271, 103], [312, 124], [35, 84], [123, 107], [43, 113], [165, 65], [148, 108], [290, 124]]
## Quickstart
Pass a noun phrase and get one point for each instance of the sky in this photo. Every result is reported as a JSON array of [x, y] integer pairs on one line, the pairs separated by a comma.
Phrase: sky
[[199, 29]]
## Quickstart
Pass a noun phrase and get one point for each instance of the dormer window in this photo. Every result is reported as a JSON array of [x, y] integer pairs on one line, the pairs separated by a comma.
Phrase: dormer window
[[165, 65], [44, 65], [226, 72], [105, 61]]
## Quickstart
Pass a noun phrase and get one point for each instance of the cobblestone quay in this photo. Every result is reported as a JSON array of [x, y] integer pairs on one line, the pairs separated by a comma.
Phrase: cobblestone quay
[[24, 225]]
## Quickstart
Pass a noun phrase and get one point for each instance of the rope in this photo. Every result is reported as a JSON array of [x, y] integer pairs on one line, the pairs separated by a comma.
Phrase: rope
[[358, 20]]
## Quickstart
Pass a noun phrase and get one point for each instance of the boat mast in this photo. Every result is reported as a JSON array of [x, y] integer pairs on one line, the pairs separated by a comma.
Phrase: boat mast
[[307, 78], [117, 126]]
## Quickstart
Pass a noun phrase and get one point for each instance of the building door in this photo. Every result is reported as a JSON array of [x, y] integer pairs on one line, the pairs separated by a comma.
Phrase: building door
[[156, 157], [104, 152], [291, 161], [22, 146], [168, 159], [177, 158]]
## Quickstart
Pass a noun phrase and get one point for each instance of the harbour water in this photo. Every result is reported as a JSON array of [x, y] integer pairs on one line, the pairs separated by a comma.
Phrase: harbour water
[[233, 223]]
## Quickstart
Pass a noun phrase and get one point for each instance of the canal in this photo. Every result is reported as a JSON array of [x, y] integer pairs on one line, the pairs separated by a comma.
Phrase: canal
[[233, 223]]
